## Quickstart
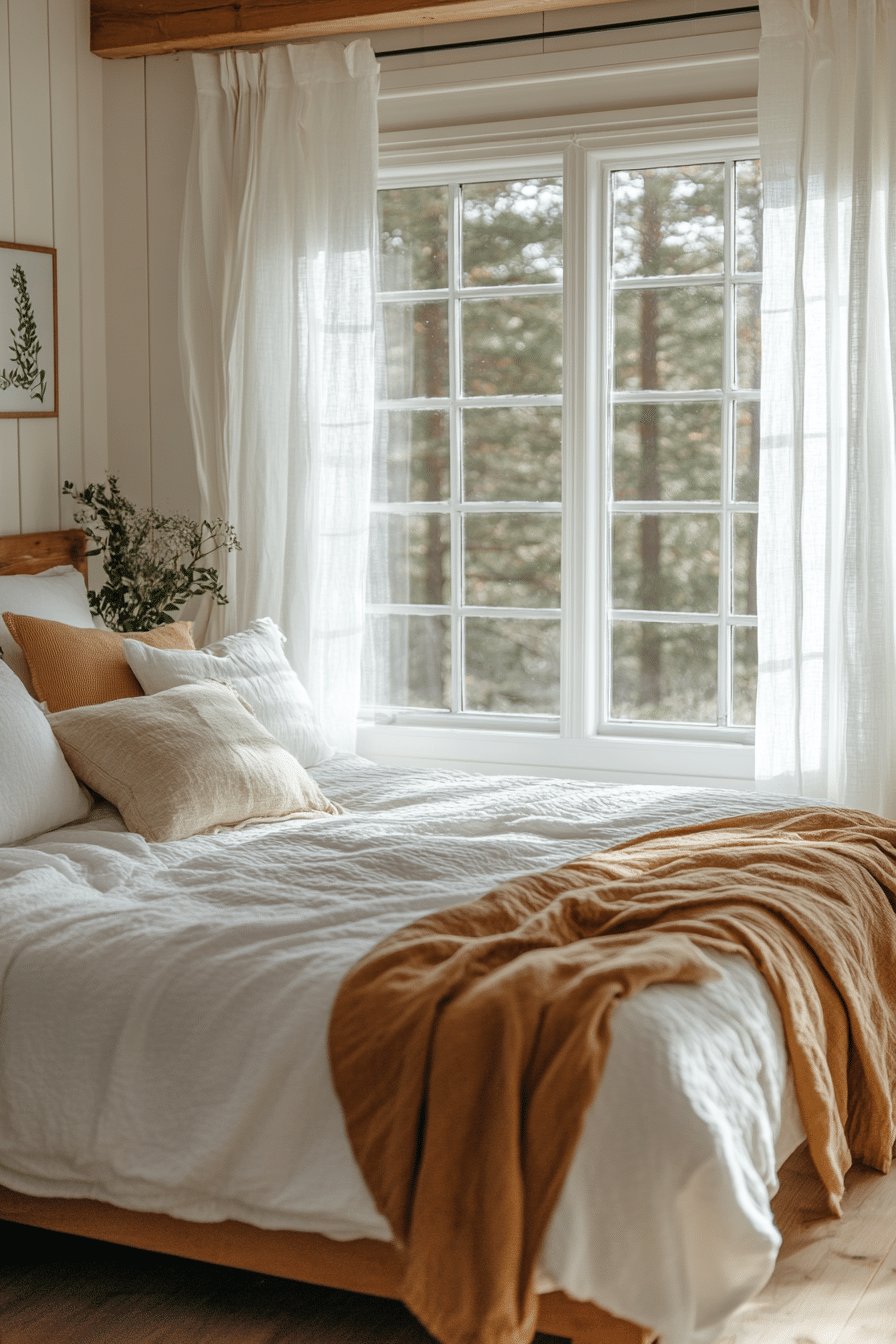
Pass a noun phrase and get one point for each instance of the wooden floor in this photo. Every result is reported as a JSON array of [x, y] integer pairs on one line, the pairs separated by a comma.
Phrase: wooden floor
[[835, 1280], [835, 1283]]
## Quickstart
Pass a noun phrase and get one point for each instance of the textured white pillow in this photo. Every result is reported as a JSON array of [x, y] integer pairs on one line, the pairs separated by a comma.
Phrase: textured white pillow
[[58, 594], [38, 792], [254, 665]]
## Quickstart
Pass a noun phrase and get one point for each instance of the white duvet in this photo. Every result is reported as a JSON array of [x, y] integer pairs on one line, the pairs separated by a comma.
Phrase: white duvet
[[165, 1006]]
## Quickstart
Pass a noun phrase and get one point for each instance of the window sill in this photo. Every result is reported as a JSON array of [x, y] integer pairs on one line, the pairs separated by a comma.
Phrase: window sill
[[623, 760]]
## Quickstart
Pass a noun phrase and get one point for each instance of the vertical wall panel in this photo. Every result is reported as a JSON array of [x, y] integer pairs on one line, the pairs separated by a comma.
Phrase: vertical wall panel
[[169, 121], [9, 429], [30, 89], [39, 475], [32, 174], [7, 212], [94, 427], [127, 306], [67, 230], [9, 477]]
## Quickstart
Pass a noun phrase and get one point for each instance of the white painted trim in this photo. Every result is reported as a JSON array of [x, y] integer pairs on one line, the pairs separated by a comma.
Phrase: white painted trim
[[580, 515], [599, 61], [542, 139], [536, 146], [627, 760], [571, 87], [599, 423]]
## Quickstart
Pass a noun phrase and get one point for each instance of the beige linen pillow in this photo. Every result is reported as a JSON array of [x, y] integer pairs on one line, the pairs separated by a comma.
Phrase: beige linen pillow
[[71, 667], [185, 761]]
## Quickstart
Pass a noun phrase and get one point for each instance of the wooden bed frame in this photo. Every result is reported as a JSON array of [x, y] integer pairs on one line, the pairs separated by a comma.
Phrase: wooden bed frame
[[33, 552], [362, 1266]]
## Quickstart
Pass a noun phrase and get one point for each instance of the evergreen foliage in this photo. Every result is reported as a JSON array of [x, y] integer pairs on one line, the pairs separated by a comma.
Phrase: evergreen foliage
[[25, 348], [153, 562]]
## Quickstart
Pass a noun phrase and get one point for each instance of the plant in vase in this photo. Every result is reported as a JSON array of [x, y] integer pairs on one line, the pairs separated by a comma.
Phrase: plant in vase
[[153, 562]]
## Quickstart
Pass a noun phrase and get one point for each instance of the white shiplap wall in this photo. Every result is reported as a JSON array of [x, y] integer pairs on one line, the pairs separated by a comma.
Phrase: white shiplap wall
[[148, 122], [51, 194]]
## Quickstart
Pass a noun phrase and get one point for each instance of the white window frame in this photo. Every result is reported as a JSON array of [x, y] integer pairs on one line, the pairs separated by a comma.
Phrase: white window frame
[[589, 703], [583, 743], [455, 508]]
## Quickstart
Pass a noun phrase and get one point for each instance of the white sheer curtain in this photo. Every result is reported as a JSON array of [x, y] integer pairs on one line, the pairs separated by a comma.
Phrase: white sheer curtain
[[826, 707], [277, 328]]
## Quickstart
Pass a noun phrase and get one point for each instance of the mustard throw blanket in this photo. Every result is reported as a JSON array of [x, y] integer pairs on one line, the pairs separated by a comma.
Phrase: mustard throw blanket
[[466, 1048]]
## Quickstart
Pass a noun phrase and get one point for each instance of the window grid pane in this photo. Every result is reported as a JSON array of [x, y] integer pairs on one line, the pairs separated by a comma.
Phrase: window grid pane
[[505, 317], [654, 668]]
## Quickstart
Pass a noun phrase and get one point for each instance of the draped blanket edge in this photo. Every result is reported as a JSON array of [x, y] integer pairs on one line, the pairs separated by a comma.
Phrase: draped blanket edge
[[466, 1048]]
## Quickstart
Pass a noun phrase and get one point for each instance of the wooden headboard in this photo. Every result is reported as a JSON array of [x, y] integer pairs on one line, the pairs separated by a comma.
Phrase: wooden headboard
[[32, 552]]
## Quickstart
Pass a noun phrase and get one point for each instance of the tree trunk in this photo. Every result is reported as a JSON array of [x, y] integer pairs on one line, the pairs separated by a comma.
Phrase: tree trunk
[[433, 343]]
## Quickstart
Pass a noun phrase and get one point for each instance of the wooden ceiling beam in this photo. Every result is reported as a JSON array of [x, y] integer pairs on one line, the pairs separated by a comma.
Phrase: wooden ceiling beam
[[151, 27]]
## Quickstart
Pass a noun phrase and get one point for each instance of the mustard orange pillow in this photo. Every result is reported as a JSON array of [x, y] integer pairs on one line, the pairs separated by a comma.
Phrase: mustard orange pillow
[[71, 667]]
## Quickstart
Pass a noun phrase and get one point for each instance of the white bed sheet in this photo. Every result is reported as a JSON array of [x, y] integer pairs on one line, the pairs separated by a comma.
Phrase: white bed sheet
[[164, 1013]]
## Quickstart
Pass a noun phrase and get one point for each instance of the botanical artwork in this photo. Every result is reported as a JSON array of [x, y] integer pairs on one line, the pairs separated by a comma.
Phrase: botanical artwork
[[27, 330]]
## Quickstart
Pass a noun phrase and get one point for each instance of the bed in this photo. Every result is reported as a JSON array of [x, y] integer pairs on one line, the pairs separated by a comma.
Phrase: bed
[[251, 1167]]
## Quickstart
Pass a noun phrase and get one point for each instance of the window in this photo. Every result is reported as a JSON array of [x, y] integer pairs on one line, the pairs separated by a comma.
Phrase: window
[[684, 443], [658, 509], [466, 520]]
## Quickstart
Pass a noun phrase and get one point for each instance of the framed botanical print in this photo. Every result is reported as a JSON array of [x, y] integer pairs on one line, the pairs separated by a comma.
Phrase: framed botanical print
[[28, 330]]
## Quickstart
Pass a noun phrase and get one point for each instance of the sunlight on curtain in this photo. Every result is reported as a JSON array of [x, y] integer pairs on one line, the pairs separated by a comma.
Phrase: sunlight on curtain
[[277, 326], [825, 721]]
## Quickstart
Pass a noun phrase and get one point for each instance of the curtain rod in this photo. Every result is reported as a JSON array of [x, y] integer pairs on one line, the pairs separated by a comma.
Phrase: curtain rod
[[571, 32]]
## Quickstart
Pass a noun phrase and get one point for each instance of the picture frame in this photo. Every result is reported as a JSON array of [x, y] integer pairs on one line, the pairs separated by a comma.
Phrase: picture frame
[[29, 359]]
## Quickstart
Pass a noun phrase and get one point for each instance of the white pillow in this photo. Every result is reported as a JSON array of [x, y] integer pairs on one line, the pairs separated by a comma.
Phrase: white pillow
[[58, 594], [38, 792], [254, 665]]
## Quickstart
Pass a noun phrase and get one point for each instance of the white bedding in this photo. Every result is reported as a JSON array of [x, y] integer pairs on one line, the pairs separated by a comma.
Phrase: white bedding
[[164, 1013]]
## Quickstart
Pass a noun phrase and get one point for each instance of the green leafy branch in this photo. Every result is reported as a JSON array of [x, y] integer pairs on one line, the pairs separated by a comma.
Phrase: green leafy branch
[[154, 562], [25, 346]]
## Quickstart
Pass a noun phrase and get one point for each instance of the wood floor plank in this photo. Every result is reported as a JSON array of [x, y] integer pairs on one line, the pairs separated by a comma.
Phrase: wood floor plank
[[874, 1319], [826, 1265]]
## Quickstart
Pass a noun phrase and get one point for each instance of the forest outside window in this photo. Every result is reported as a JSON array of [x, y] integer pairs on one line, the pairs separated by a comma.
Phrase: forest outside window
[[684, 443], [464, 599], [466, 522]]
